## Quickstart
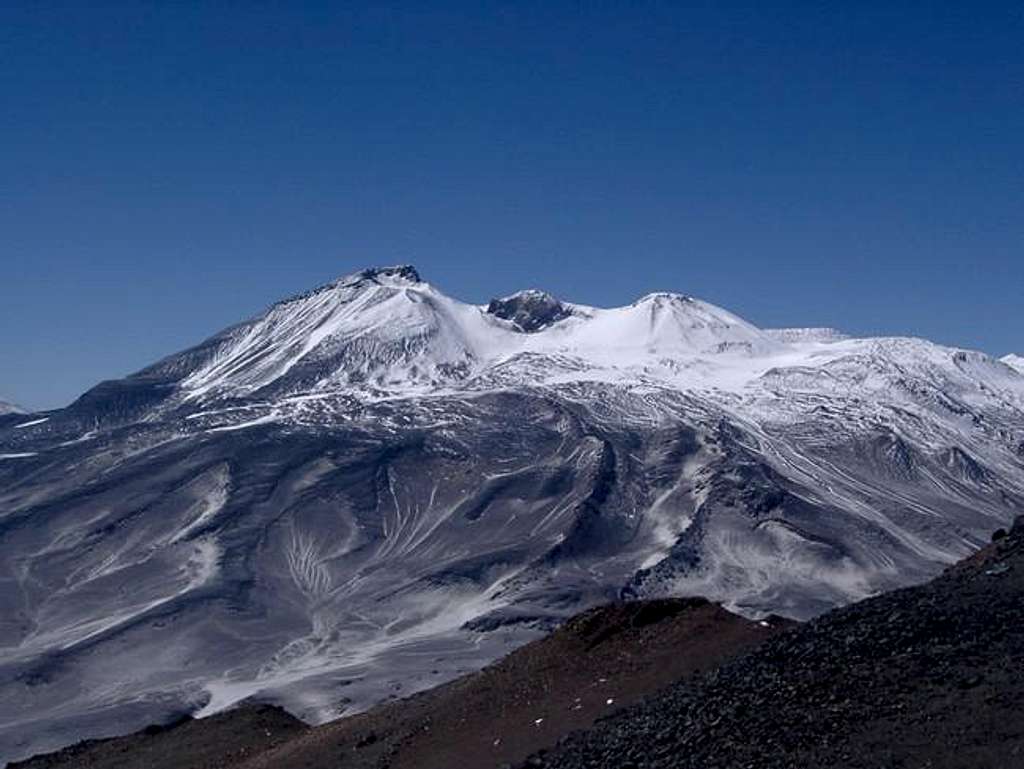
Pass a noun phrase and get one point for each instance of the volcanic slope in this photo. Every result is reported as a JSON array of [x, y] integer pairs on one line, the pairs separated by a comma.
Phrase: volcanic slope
[[373, 481], [927, 676], [596, 663]]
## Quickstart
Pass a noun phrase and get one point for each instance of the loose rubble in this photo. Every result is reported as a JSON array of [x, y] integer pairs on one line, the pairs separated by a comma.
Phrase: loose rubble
[[929, 676]]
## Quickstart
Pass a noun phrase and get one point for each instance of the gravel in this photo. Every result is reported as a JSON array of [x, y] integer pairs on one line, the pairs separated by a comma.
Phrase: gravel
[[929, 676]]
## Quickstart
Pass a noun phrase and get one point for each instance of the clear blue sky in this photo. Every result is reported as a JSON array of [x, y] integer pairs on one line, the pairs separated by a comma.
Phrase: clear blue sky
[[167, 169]]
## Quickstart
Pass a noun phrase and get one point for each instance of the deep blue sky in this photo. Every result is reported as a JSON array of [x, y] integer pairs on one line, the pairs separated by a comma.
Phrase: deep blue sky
[[167, 169]]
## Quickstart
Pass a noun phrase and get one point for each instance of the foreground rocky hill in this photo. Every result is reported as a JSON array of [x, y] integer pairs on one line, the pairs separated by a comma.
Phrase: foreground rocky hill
[[374, 484], [218, 742], [929, 676]]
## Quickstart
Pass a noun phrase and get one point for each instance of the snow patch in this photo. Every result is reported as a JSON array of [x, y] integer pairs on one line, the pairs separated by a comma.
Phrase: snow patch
[[34, 422], [1015, 362]]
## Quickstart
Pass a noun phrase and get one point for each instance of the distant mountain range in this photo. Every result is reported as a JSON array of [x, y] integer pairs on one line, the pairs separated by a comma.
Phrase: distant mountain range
[[372, 487], [9, 408]]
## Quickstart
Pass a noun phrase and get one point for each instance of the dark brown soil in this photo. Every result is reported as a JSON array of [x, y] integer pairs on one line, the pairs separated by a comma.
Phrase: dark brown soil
[[594, 665], [223, 740]]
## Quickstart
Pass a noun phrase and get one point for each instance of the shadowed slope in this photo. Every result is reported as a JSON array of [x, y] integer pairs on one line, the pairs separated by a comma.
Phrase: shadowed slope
[[220, 741]]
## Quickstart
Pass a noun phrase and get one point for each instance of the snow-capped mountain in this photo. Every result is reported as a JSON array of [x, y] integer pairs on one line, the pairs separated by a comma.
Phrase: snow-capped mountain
[[384, 332], [1014, 361], [371, 487], [9, 408]]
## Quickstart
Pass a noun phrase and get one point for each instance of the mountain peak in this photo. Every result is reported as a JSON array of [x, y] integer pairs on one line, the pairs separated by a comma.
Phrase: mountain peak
[[396, 275], [664, 297], [530, 310], [400, 273]]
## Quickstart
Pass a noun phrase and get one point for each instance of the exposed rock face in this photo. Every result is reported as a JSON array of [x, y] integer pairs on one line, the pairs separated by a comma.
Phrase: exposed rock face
[[529, 310]]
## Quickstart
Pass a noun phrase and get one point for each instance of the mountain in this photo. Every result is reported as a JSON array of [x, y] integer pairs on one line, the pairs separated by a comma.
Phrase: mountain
[[371, 488], [385, 332], [1014, 361], [9, 408]]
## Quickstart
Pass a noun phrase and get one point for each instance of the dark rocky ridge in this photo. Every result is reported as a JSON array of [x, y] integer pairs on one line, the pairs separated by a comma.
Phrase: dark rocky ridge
[[529, 311], [928, 676], [219, 741]]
